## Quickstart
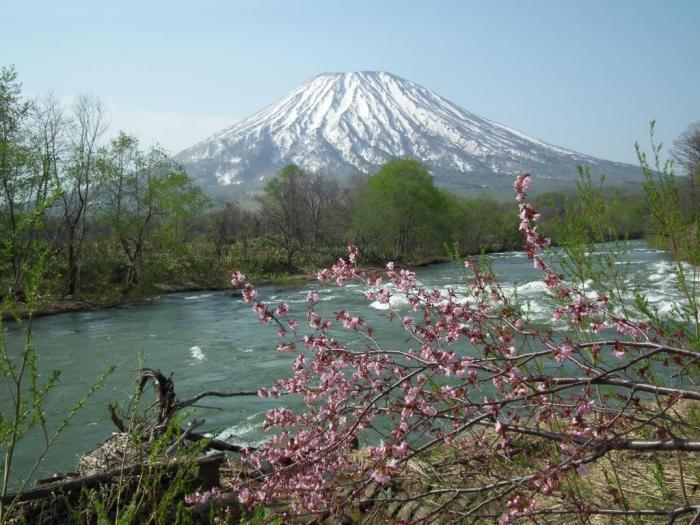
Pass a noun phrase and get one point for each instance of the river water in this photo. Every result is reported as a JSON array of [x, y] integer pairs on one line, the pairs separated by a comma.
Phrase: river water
[[212, 341]]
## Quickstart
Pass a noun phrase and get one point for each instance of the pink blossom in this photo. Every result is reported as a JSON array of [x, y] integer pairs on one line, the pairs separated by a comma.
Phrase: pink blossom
[[352, 323], [353, 253], [624, 327], [380, 477], [282, 309], [374, 280], [249, 293], [585, 408], [619, 350], [237, 278], [521, 186], [562, 353], [400, 451], [429, 411], [348, 384]]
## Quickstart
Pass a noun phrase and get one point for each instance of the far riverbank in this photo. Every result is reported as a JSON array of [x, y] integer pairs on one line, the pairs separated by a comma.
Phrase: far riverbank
[[58, 305]]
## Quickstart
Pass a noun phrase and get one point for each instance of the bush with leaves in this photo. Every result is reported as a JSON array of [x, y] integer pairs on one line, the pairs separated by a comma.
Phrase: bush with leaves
[[481, 414]]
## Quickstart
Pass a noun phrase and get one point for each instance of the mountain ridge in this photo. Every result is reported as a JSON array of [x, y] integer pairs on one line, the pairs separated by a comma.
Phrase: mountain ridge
[[343, 123]]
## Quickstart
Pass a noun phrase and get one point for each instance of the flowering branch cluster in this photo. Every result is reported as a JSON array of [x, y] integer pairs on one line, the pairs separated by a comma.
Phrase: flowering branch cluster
[[474, 384]]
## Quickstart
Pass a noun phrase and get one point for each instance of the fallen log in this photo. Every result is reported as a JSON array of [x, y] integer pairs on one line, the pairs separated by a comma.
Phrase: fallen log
[[207, 476]]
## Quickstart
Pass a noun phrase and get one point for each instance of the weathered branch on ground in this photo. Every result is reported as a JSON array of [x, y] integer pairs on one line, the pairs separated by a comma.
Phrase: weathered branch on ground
[[671, 514], [64, 487], [164, 390], [217, 444], [624, 383], [167, 406], [118, 422], [666, 445], [185, 435]]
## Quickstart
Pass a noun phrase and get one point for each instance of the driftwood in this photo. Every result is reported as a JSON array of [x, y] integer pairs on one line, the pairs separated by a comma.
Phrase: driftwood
[[126, 456], [164, 390], [167, 405], [217, 444], [102, 471], [207, 476]]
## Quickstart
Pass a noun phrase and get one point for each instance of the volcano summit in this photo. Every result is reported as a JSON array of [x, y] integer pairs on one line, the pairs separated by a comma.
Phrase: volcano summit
[[344, 123]]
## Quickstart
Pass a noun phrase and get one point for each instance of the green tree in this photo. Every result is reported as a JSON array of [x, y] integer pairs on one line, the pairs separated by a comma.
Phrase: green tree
[[179, 201], [400, 211], [481, 224], [674, 229], [145, 196], [77, 182], [13, 152], [686, 152], [230, 223], [26, 180], [284, 205]]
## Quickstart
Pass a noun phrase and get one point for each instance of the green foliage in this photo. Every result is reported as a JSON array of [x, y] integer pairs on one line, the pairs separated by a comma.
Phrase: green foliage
[[24, 193], [660, 480], [676, 231], [483, 225], [147, 203], [26, 393], [401, 211], [260, 516], [283, 203], [618, 215], [179, 200], [261, 256], [592, 227]]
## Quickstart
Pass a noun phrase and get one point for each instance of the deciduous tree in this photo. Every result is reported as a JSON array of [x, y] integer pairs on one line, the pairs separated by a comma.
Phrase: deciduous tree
[[401, 211]]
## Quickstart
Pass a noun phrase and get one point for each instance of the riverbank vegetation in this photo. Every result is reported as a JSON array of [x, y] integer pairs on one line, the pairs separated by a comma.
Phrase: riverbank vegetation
[[115, 220]]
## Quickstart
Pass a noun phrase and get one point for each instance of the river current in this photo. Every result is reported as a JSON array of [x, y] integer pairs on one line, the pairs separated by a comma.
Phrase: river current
[[212, 341]]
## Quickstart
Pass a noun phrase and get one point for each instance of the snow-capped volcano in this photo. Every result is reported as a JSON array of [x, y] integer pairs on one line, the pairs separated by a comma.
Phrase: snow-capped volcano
[[340, 123]]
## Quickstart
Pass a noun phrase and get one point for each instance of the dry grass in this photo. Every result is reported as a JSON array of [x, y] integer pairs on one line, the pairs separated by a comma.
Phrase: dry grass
[[425, 490], [115, 452]]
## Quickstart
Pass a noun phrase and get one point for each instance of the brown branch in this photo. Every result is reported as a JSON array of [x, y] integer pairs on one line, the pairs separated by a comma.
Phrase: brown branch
[[641, 344], [103, 477], [217, 444], [684, 445], [118, 422], [209, 393], [672, 514], [185, 435], [624, 383]]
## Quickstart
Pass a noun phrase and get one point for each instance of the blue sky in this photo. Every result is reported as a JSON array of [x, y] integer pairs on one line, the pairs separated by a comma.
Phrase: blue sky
[[585, 75]]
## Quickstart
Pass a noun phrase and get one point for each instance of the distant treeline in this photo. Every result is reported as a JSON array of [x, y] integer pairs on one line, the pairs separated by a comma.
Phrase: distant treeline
[[108, 218], [399, 214]]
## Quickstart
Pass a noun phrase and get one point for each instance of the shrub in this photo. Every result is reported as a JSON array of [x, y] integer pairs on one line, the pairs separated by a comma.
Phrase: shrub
[[481, 414]]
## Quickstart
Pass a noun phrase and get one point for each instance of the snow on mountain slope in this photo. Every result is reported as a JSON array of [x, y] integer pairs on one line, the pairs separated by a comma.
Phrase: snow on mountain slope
[[341, 123]]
